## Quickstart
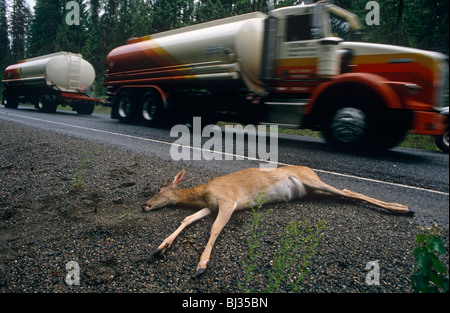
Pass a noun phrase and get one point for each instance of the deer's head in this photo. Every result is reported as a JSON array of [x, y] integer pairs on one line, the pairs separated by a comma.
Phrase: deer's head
[[166, 195]]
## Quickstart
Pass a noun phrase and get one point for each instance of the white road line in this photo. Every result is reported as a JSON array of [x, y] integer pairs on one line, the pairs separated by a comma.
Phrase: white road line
[[234, 155]]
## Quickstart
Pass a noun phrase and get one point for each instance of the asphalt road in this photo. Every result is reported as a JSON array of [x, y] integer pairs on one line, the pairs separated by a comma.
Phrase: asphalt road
[[416, 178]]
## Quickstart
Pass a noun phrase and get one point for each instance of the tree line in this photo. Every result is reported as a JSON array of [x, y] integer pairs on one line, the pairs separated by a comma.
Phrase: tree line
[[104, 24]]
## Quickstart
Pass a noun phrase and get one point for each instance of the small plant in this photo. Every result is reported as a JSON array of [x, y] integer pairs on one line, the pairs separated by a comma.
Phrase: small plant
[[295, 253], [296, 250], [253, 242], [125, 215], [429, 274], [83, 167]]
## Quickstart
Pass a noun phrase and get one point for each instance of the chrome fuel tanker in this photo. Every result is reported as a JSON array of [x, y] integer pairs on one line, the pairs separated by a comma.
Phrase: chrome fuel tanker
[[49, 80], [289, 67]]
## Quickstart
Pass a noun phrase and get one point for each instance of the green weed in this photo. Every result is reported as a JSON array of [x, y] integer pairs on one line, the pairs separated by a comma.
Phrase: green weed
[[429, 276], [294, 255], [82, 169]]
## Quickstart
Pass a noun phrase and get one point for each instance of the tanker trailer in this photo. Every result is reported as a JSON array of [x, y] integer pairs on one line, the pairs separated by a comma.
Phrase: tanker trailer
[[186, 69], [49, 80]]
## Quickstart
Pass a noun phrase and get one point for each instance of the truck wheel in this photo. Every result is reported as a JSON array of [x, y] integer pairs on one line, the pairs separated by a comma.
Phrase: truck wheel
[[10, 100], [47, 103], [152, 110], [126, 108], [442, 141], [85, 108], [347, 127]]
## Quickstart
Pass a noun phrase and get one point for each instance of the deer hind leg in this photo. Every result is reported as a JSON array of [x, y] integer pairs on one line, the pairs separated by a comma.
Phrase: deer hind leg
[[186, 222], [389, 206], [225, 212]]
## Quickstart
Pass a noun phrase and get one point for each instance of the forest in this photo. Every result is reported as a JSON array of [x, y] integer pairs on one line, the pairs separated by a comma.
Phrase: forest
[[104, 24]]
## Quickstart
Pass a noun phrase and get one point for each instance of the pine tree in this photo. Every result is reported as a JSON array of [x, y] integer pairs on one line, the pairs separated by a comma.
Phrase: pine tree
[[18, 23], [141, 23], [107, 22], [91, 49], [122, 26], [4, 40], [44, 27], [167, 15]]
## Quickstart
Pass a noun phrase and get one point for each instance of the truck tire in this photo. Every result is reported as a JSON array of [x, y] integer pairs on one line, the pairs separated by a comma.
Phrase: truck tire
[[357, 123], [442, 141], [10, 100], [152, 110], [86, 108], [126, 107], [47, 103]]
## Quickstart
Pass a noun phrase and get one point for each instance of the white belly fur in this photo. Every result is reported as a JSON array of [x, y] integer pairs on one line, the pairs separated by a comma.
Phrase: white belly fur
[[289, 189]]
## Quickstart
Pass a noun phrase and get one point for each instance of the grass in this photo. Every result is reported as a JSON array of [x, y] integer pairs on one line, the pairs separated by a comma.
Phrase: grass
[[420, 142], [82, 169]]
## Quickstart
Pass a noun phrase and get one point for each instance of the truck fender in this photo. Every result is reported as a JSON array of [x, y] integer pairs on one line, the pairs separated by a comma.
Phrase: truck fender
[[375, 83]]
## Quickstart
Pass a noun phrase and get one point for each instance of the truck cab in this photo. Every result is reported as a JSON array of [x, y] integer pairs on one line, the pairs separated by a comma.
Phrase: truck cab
[[356, 93]]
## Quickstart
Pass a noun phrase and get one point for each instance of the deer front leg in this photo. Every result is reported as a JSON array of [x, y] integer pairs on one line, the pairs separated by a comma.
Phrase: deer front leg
[[220, 222], [186, 222]]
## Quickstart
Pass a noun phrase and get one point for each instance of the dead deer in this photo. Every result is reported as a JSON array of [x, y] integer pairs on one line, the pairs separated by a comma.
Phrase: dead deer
[[226, 194]]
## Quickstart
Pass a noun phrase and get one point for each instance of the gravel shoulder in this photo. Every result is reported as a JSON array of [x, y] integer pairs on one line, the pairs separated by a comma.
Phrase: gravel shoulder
[[44, 225]]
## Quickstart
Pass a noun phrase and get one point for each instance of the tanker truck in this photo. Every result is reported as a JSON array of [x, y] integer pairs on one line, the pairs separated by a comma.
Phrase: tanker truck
[[49, 80], [290, 67]]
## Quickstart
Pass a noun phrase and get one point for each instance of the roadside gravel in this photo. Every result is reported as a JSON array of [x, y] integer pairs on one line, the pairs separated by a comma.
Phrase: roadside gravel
[[44, 225]]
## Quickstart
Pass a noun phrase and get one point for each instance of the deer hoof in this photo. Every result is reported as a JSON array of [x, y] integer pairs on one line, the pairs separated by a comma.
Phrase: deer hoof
[[410, 212], [160, 251], [200, 271]]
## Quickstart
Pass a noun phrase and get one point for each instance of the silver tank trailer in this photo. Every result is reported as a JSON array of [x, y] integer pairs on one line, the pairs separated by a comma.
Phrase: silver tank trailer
[[63, 70]]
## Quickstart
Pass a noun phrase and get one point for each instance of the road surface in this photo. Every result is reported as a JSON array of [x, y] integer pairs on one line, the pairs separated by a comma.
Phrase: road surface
[[416, 178]]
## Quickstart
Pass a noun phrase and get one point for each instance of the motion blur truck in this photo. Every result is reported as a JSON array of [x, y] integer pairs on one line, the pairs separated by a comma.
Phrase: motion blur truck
[[287, 68], [49, 80]]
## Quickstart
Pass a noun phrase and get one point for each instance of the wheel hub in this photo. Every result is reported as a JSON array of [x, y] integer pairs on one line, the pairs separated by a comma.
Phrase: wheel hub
[[124, 108], [149, 110], [349, 125], [445, 138]]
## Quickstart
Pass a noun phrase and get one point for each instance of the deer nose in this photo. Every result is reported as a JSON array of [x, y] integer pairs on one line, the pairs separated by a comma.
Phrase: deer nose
[[145, 208]]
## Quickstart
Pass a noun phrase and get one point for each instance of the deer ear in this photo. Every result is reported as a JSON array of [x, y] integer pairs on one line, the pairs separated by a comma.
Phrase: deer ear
[[178, 177]]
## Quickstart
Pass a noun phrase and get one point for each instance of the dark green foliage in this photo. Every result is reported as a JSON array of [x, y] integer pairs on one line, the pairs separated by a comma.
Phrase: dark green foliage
[[106, 24], [18, 22], [4, 39], [429, 273]]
